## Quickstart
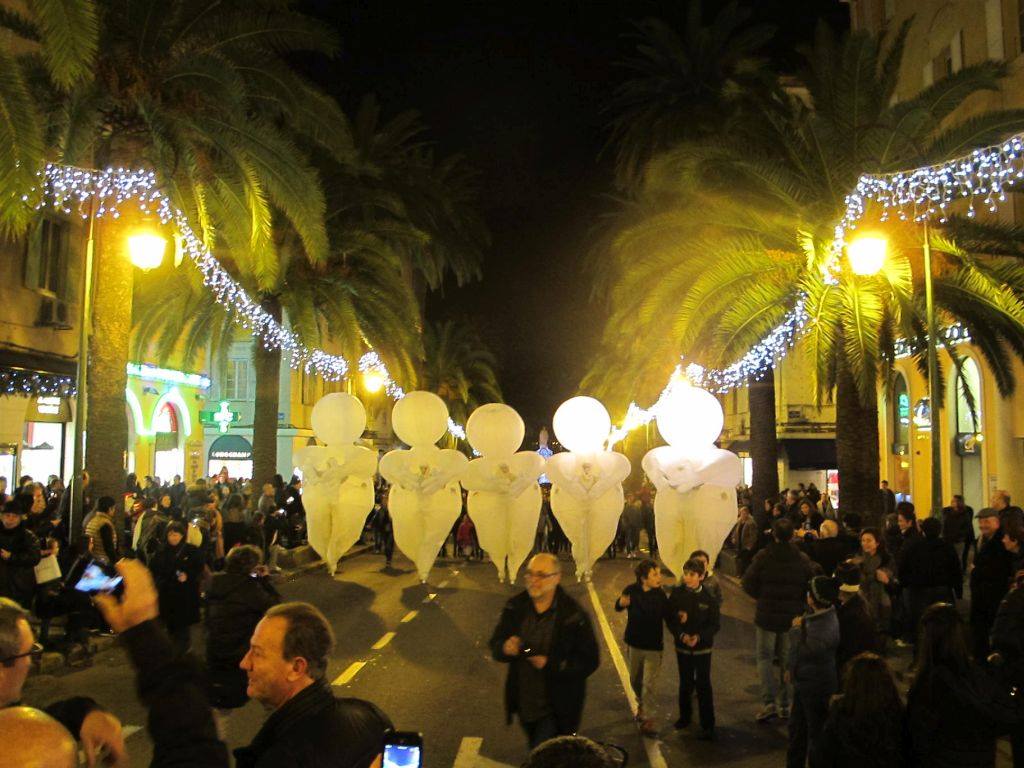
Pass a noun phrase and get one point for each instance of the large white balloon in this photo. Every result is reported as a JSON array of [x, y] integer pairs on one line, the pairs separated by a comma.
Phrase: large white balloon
[[504, 497], [690, 416], [420, 418], [425, 498], [695, 507], [495, 429], [582, 424], [338, 419]]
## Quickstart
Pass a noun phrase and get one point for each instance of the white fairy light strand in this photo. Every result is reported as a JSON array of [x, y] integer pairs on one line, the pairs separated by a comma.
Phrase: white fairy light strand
[[64, 185]]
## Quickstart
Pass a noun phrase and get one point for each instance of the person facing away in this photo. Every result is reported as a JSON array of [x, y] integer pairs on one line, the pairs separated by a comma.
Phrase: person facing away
[[857, 631], [929, 572], [811, 667], [235, 602], [548, 642], [646, 605], [694, 620], [866, 723], [958, 526], [1007, 637], [101, 533], [955, 709], [888, 498], [777, 579], [990, 579]]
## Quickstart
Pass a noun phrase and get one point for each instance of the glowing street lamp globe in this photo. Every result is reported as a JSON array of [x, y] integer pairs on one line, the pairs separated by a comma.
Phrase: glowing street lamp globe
[[146, 250], [373, 381], [867, 254]]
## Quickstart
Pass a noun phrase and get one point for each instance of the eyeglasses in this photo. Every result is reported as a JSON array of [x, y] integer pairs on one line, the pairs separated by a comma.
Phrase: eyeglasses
[[538, 575], [34, 652]]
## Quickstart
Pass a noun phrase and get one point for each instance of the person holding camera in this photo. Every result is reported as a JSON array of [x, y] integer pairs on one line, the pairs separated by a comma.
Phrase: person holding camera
[[548, 642]]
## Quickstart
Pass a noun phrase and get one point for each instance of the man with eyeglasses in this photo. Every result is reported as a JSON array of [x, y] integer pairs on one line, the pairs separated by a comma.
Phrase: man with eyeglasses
[[99, 732], [548, 642]]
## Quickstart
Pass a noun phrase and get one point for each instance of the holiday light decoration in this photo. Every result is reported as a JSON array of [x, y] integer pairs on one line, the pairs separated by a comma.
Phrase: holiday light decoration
[[33, 383], [67, 189]]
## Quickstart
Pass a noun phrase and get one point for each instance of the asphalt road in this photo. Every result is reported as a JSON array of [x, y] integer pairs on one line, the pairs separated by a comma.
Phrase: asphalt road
[[420, 653]]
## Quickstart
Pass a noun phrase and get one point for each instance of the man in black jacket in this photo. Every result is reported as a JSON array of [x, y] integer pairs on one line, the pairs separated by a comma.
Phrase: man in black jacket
[[286, 665], [929, 572], [19, 554], [546, 639], [990, 578], [958, 527], [777, 579], [1007, 637]]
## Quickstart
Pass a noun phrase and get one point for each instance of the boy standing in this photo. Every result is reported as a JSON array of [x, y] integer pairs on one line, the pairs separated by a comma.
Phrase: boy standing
[[710, 582], [693, 621]]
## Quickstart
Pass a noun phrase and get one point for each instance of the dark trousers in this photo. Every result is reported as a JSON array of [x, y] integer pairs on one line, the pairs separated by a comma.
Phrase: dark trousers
[[389, 546], [695, 675], [806, 719], [181, 639], [918, 600], [541, 730]]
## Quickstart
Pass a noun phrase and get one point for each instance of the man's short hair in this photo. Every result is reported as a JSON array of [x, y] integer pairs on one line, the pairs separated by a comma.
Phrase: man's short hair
[[782, 529], [308, 635], [105, 504], [905, 509], [243, 559], [10, 638], [577, 751]]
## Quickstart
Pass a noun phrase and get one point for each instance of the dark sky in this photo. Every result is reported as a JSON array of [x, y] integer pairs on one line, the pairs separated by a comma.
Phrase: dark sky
[[518, 87]]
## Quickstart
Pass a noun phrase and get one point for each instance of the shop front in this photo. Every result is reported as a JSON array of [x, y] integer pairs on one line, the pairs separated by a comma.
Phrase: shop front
[[230, 452]]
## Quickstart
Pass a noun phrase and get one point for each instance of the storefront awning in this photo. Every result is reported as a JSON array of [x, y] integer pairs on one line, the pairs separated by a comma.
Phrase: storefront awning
[[810, 453], [231, 448]]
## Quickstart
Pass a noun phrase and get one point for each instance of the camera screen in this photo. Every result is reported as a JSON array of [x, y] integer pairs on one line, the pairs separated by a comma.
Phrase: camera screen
[[401, 756], [95, 580]]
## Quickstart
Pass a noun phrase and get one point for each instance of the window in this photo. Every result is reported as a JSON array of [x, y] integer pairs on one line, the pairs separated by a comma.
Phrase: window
[[900, 416], [968, 398], [46, 257], [309, 388], [942, 64], [236, 380]]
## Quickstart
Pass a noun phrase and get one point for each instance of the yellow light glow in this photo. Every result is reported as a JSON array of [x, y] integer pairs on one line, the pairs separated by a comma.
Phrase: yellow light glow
[[867, 254], [373, 381], [146, 250]]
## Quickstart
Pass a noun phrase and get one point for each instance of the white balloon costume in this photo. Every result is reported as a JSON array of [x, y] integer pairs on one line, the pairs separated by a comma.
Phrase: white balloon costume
[[695, 507], [337, 479], [425, 498], [586, 482], [504, 497]]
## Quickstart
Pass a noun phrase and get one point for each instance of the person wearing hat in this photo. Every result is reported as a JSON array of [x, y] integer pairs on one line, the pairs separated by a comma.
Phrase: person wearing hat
[[19, 554], [990, 579], [811, 668], [857, 632]]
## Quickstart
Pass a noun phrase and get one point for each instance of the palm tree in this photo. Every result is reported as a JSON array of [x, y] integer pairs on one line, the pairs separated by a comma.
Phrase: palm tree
[[201, 93], [750, 236], [459, 368]]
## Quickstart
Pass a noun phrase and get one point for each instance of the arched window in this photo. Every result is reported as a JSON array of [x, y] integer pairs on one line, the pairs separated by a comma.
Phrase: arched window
[[900, 415], [166, 419], [968, 398]]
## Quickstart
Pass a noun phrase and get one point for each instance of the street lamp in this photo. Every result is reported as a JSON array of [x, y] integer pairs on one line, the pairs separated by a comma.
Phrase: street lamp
[[867, 254], [146, 250], [373, 381]]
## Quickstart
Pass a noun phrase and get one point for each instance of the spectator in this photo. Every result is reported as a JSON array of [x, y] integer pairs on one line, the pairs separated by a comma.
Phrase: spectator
[[827, 549], [632, 523], [876, 574], [235, 603], [810, 518], [19, 555], [101, 533], [577, 751], [744, 538], [888, 499], [990, 579], [710, 581], [1007, 636], [693, 619], [857, 630], [1013, 542], [811, 667], [866, 723], [813, 494], [286, 667], [777, 580], [546, 639], [1001, 504], [150, 529], [384, 528], [954, 708], [268, 500], [233, 514], [647, 607], [929, 572], [906, 521], [82, 717], [177, 567], [958, 528]]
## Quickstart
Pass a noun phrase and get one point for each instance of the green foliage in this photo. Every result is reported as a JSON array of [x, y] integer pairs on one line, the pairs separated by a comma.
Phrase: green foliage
[[459, 368]]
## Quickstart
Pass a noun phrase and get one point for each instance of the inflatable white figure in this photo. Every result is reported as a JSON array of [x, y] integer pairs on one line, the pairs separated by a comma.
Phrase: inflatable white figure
[[586, 482], [504, 497], [337, 479], [695, 507], [425, 498]]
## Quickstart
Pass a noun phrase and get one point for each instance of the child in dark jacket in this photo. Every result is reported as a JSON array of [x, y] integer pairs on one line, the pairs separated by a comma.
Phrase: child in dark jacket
[[647, 606], [693, 621]]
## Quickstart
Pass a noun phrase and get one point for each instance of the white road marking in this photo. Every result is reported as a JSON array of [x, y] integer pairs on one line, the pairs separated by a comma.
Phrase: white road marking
[[468, 755], [409, 617], [443, 584], [353, 669], [385, 639], [430, 597], [652, 746], [127, 731]]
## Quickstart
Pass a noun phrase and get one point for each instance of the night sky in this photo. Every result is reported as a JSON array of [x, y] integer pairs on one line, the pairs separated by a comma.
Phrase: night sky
[[519, 88]]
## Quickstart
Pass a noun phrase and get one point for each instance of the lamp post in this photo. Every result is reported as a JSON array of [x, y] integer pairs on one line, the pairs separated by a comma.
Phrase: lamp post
[[866, 255], [146, 251]]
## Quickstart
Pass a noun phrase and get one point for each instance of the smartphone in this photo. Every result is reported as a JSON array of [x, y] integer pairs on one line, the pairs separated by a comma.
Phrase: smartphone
[[403, 749], [98, 578]]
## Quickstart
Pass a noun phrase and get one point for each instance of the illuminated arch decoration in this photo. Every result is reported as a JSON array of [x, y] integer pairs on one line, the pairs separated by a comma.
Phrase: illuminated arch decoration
[[63, 185], [136, 409], [173, 397]]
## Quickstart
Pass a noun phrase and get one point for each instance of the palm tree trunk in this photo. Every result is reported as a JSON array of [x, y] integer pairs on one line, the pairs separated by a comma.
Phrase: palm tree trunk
[[268, 392], [856, 448], [106, 426], [764, 445]]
